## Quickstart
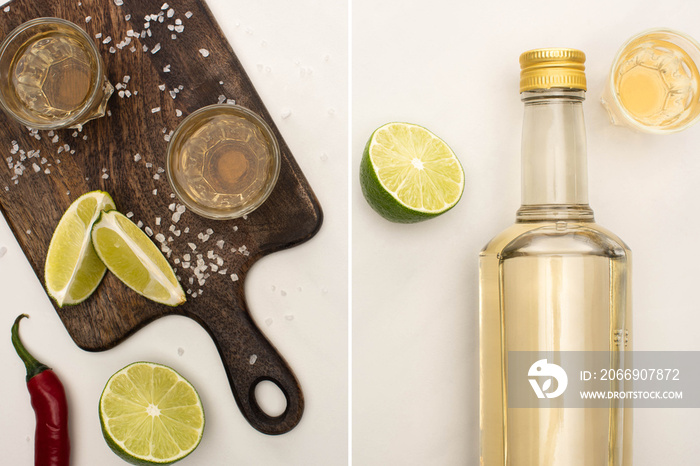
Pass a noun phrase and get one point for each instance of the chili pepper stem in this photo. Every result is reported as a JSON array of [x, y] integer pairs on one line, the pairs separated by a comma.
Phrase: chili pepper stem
[[33, 366]]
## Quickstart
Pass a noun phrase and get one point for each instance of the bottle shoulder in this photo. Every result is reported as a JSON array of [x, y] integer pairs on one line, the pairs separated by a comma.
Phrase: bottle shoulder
[[556, 239]]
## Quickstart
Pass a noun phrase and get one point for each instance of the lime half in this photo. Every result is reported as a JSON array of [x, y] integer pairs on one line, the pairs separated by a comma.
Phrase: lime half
[[408, 174], [130, 255], [72, 270], [150, 414]]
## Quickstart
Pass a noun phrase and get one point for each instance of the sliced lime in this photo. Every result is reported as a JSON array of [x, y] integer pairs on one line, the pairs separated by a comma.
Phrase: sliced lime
[[150, 414], [72, 270], [130, 255], [408, 174]]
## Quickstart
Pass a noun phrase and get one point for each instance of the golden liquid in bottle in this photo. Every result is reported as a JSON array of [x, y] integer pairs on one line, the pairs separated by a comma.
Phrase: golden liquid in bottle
[[656, 82], [550, 286], [52, 76], [222, 162]]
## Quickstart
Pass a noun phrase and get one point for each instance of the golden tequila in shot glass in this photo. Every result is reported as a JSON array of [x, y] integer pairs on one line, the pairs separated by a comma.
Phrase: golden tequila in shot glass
[[223, 161], [653, 83], [51, 75]]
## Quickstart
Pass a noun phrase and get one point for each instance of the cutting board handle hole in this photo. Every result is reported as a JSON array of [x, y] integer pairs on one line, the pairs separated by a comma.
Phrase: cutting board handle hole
[[270, 398]]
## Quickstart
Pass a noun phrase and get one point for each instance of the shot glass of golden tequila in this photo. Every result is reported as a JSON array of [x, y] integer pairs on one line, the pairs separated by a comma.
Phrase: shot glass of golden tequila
[[223, 161], [653, 83], [51, 75]]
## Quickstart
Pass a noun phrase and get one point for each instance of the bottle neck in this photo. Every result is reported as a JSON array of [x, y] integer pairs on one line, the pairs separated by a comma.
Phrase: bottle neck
[[554, 171]]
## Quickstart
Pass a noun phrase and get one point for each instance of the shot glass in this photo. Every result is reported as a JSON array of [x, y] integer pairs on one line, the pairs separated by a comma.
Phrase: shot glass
[[653, 83], [223, 161], [51, 75]]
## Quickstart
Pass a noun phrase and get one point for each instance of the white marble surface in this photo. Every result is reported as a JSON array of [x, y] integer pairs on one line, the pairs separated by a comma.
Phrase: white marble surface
[[296, 56], [453, 67]]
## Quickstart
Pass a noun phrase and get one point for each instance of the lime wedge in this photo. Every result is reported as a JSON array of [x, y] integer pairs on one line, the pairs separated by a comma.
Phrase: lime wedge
[[150, 414], [408, 174], [72, 270], [130, 255]]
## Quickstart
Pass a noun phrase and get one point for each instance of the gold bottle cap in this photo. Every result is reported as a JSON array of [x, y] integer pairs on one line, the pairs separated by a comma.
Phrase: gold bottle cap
[[552, 67]]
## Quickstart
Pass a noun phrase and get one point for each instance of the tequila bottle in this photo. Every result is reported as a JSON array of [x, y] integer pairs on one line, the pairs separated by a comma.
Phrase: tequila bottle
[[553, 281]]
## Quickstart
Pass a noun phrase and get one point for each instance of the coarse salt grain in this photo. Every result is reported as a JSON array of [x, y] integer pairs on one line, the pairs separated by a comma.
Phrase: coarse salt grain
[[155, 110], [156, 48], [234, 277], [148, 231], [204, 52]]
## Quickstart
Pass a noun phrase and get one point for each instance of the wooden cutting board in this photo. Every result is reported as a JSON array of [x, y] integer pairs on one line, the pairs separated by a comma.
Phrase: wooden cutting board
[[182, 63]]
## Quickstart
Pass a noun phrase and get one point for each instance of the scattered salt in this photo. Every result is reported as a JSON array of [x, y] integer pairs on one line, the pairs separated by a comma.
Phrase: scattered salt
[[88, 19], [253, 358], [204, 52], [156, 48], [148, 231], [188, 15], [234, 277], [155, 110]]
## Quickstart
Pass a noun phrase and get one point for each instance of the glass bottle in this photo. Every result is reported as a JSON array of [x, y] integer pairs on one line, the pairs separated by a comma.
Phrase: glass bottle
[[553, 281]]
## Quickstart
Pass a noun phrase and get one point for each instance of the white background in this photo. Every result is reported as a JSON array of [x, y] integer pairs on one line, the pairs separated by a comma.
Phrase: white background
[[453, 67], [296, 56]]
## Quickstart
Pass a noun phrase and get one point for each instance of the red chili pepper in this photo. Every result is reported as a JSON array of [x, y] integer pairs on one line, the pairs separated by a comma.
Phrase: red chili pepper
[[51, 443]]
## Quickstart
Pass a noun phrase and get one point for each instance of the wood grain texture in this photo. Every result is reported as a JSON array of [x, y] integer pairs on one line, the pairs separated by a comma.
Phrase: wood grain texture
[[35, 189]]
